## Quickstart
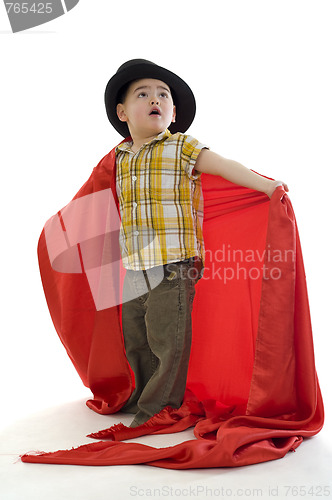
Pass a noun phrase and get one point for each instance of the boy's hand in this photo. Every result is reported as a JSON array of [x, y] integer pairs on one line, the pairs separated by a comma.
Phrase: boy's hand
[[274, 185]]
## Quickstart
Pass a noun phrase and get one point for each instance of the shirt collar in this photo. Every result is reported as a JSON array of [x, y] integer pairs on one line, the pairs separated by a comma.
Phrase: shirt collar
[[126, 145]]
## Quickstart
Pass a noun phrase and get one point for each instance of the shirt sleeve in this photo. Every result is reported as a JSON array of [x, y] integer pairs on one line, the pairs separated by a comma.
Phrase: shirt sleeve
[[190, 150]]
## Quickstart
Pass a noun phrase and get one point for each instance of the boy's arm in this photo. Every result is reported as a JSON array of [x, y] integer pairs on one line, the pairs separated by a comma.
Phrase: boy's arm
[[212, 163]]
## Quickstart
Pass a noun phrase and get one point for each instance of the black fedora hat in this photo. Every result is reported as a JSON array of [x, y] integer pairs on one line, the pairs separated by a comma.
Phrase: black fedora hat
[[135, 69]]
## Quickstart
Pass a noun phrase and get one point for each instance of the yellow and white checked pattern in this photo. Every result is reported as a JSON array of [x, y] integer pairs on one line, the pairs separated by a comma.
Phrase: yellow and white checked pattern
[[160, 200]]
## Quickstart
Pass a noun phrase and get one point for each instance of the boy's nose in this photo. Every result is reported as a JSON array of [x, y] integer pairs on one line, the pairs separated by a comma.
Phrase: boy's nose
[[154, 100]]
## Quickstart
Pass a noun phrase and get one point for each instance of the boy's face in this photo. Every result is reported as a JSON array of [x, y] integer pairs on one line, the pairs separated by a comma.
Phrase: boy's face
[[148, 107]]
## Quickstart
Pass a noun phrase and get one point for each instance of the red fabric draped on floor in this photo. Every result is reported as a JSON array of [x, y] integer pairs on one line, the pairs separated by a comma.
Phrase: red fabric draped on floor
[[252, 389]]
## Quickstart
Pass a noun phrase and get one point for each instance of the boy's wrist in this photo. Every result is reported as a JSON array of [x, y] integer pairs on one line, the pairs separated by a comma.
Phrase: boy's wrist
[[272, 185]]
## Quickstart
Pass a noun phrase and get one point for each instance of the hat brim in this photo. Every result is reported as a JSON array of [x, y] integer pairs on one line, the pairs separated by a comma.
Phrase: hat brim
[[183, 96]]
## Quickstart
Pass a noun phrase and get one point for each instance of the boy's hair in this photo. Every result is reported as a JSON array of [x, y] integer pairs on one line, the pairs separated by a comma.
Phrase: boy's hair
[[122, 94]]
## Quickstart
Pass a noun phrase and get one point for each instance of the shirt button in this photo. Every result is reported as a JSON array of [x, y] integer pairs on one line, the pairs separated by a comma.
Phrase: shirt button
[[136, 233], [134, 178], [135, 204]]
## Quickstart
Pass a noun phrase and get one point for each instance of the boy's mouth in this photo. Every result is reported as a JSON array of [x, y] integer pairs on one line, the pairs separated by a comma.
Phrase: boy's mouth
[[155, 111]]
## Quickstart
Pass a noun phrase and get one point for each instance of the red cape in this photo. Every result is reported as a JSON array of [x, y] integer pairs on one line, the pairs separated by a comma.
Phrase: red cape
[[252, 389]]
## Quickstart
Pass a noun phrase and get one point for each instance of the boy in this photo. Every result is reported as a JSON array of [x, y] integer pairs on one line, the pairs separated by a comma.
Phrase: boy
[[160, 200]]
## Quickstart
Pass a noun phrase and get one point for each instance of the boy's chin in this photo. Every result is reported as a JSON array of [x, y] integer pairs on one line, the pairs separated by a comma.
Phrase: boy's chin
[[159, 128], [156, 130]]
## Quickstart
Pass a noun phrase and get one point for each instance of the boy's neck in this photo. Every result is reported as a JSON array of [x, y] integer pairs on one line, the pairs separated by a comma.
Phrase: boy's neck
[[139, 141]]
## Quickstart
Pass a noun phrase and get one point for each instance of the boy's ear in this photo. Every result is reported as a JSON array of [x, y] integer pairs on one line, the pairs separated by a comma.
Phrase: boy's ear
[[174, 114], [121, 113]]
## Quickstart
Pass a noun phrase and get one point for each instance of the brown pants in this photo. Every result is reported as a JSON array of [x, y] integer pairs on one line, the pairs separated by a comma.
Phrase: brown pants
[[157, 334]]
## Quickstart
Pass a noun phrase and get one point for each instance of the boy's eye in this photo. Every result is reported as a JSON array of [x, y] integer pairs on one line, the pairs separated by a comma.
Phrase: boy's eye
[[145, 94]]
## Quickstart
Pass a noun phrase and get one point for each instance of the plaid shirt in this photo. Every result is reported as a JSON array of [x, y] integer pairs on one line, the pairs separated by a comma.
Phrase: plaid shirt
[[160, 200]]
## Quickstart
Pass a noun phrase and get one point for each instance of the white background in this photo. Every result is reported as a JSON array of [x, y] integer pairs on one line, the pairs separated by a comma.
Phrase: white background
[[261, 74]]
